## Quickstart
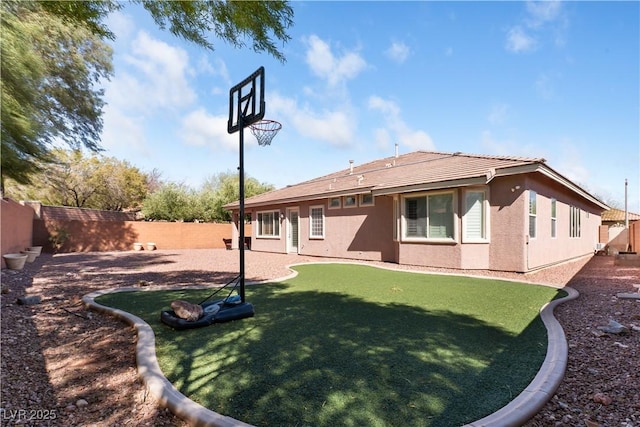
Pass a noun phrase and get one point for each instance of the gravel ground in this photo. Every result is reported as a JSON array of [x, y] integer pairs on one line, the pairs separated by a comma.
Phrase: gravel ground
[[62, 365]]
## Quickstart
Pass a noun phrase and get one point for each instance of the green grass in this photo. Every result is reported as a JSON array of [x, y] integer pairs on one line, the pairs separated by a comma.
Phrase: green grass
[[354, 345]]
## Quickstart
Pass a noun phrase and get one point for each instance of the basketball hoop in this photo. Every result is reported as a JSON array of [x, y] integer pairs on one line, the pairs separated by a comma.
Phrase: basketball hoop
[[265, 130]]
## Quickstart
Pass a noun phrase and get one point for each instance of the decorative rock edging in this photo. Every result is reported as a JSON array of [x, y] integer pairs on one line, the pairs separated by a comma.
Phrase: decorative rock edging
[[546, 382], [516, 413]]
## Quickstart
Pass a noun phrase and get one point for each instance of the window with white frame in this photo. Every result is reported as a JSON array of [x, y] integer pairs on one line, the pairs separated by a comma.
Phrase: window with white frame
[[366, 199], [532, 213], [574, 221], [554, 218], [429, 217], [268, 224], [350, 201], [335, 203], [474, 219], [316, 226]]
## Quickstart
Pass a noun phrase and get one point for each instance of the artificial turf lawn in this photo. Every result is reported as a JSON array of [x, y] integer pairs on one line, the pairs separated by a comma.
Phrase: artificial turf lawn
[[356, 345]]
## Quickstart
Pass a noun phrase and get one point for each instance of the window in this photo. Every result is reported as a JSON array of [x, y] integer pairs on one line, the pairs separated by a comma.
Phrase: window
[[429, 217], [350, 201], [574, 221], [366, 200], [334, 203], [268, 224], [532, 214], [474, 220], [316, 217], [554, 218]]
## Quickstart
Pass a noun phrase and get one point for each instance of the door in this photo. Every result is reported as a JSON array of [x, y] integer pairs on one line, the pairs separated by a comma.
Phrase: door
[[292, 230]]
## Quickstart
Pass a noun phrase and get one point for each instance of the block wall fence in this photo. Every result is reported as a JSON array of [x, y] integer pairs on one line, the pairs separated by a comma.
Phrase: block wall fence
[[31, 224]]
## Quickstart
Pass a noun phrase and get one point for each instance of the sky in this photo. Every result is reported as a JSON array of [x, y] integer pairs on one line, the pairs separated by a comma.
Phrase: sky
[[557, 80]]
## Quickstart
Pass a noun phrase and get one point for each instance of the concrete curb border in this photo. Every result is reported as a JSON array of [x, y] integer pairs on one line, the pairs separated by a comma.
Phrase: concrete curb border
[[517, 412], [546, 382]]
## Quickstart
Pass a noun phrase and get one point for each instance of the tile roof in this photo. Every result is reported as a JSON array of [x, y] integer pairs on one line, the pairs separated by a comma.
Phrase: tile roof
[[420, 168], [618, 215]]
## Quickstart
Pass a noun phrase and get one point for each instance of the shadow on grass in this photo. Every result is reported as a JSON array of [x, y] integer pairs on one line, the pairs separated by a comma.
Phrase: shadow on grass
[[322, 358]]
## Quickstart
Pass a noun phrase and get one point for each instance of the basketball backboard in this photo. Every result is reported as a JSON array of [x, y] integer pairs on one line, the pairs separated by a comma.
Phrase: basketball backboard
[[246, 100]]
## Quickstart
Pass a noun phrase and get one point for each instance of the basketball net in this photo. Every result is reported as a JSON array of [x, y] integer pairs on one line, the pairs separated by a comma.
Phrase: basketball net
[[265, 130]]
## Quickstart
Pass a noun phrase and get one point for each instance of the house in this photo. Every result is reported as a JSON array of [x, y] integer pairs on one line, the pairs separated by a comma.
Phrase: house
[[436, 209]]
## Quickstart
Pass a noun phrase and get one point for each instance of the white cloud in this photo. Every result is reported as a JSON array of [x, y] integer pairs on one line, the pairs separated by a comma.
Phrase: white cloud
[[334, 69], [543, 18], [154, 76], [541, 12], [398, 52], [123, 131], [519, 41], [397, 127], [332, 126], [162, 74], [200, 128], [121, 24]]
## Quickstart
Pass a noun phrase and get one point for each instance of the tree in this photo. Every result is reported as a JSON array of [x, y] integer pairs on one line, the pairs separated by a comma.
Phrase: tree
[[50, 67], [54, 53], [73, 179], [177, 202], [172, 202], [226, 188], [231, 21]]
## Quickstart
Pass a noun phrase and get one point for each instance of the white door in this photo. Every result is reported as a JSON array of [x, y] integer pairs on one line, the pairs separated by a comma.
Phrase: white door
[[292, 230]]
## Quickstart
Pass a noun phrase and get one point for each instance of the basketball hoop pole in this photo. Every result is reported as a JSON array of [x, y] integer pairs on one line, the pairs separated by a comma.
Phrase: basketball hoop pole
[[241, 219], [246, 107]]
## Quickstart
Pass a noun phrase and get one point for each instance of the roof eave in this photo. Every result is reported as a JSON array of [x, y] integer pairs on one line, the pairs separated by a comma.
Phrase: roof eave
[[465, 182], [290, 200]]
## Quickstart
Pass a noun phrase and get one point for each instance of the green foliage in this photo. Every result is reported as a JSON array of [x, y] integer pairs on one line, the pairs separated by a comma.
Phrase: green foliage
[[174, 202], [232, 21], [50, 70], [73, 179], [53, 55], [58, 237]]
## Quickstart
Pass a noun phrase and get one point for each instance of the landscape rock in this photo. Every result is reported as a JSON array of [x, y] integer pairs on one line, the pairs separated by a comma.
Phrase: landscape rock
[[628, 295], [81, 403], [602, 399], [186, 310], [33, 300], [613, 328]]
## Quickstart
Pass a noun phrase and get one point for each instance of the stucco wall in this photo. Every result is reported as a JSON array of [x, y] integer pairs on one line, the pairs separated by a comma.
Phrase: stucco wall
[[545, 249], [508, 227], [365, 233], [16, 227], [100, 236]]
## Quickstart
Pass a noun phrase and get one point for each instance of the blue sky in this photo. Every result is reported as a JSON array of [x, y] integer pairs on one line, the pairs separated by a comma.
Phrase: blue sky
[[557, 80]]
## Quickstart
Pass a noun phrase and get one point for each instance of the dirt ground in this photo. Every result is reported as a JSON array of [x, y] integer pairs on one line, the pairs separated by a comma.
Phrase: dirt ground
[[63, 365]]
